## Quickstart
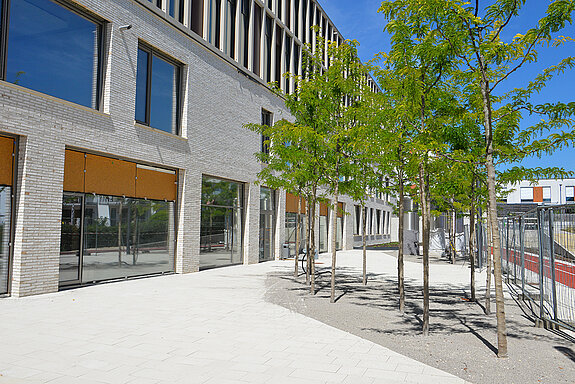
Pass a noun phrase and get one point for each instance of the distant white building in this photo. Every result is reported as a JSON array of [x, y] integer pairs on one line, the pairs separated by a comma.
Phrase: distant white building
[[544, 191]]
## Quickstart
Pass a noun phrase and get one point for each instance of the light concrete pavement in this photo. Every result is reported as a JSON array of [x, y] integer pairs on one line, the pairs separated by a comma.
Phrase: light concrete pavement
[[207, 327]]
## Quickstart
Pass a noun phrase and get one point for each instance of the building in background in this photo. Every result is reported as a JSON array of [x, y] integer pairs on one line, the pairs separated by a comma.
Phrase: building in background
[[122, 151]]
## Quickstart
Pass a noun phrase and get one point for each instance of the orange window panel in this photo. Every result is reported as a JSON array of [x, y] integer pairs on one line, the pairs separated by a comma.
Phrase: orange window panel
[[323, 209], [537, 194], [74, 164], [106, 176], [6, 160], [339, 209], [291, 204], [156, 184]]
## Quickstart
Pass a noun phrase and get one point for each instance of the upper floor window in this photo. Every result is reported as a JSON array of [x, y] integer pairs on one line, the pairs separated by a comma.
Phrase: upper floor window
[[158, 90], [569, 193], [52, 48], [526, 194], [267, 118]]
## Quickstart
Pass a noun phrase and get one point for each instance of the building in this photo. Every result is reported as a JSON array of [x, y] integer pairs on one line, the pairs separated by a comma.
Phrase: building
[[544, 191], [122, 151]]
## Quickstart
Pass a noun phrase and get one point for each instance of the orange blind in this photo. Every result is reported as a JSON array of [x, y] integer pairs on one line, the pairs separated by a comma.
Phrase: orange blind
[[6, 160], [74, 165], [106, 176], [291, 204], [537, 194], [323, 209], [339, 209], [155, 184]]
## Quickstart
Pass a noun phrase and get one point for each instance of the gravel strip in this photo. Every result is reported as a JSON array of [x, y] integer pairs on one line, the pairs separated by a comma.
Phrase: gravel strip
[[462, 338]]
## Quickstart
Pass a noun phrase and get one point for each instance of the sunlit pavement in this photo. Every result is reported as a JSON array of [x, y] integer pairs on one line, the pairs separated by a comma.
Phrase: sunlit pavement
[[207, 327]]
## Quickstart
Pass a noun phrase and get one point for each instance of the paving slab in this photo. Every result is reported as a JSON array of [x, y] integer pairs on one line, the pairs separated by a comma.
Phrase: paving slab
[[208, 327]]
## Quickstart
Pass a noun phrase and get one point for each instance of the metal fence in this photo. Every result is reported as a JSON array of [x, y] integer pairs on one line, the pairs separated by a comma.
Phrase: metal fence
[[538, 256]]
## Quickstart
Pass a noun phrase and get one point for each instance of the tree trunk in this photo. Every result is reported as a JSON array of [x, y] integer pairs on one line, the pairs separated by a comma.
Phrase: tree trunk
[[500, 305], [297, 237], [489, 258], [364, 241], [333, 242], [423, 187], [453, 218], [307, 244], [311, 255], [472, 239], [400, 272]]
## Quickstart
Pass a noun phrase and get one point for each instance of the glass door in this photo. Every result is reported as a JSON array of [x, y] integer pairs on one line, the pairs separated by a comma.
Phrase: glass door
[[71, 238]]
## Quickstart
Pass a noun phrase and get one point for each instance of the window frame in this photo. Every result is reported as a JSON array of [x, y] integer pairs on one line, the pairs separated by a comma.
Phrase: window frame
[[151, 51], [101, 24]]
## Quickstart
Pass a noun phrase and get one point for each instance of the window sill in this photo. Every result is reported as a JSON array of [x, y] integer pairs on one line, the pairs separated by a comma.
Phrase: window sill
[[53, 98], [148, 128]]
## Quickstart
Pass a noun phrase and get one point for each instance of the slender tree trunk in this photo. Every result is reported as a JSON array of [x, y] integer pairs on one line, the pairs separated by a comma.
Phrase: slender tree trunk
[[423, 185], [311, 255], [307, 244], [333, 242], [400, 272], [499, 301], [489, 258], [297, 237], [453, 218], [364, 241], [472, 239]]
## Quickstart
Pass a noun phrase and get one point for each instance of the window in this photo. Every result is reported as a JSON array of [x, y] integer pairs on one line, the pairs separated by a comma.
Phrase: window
[[287, 63], [256, 47], [197, 16], [357, 220], [546, 194], [267, 223], [526, 194], [157, 91], [267, 119], [221, 223], [378, 221], [52, 49], [569, 193]]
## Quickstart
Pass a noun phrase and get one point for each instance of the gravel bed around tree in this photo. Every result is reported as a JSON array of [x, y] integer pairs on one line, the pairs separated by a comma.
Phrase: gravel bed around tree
[[462, 338]]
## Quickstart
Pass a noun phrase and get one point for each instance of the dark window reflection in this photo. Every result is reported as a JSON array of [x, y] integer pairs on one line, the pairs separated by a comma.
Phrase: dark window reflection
[[157, 91], [142, 86], [53, 50], [221, 223], [5, 210]]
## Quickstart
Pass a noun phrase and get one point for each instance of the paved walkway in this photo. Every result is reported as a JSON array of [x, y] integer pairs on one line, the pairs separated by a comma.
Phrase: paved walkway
[[208, 327]]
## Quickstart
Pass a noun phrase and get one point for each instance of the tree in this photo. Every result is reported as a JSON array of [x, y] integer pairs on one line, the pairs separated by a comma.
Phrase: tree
[[475, 36]]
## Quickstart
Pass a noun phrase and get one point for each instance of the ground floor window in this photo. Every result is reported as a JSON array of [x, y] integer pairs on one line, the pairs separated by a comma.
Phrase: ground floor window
[[7, 158], [221, 229], [5, 234], [110, 237], [323, 233], [118, 219], [267, 223], [339, 227], [290, 228]]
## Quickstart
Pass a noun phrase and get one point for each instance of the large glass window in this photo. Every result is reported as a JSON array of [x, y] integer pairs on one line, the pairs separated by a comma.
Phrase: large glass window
[[54, 50], [267, 223], [109, 237], [5, 214], [290, 228], [221, 223], [157, 91]]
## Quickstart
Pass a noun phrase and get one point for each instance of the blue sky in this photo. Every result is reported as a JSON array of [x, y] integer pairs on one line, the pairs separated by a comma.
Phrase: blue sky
[[359, 20]]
